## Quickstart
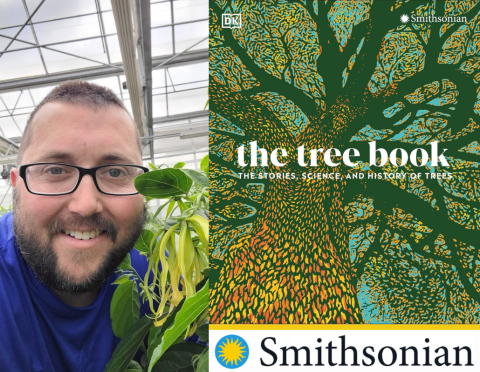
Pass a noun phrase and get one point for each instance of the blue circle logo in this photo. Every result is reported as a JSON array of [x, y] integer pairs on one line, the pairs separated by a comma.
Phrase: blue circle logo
[[231, 351]]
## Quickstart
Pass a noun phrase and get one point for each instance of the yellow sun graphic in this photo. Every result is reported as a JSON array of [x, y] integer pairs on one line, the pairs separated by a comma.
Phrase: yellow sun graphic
[[232, 351]]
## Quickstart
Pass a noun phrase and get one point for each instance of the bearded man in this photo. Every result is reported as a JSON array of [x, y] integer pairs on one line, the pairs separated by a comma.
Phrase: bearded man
[[76, 215]]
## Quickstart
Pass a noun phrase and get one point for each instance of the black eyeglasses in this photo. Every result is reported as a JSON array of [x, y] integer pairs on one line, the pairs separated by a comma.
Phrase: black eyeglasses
[[62, 179]]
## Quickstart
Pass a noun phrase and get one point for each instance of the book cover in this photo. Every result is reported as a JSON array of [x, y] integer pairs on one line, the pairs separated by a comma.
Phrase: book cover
[[344, 162]]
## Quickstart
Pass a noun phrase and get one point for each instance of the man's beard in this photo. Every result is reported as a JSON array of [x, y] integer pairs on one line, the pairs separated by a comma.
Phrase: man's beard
[[44, 261]]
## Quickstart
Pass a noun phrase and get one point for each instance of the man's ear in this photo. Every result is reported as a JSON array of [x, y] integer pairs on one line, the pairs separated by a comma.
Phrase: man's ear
[[13, 176]]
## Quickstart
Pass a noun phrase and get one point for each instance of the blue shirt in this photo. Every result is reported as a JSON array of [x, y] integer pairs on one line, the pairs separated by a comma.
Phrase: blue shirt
[[40, 333]]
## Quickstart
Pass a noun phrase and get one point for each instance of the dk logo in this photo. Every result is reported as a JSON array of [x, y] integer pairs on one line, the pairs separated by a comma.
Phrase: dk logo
[[231, 20]]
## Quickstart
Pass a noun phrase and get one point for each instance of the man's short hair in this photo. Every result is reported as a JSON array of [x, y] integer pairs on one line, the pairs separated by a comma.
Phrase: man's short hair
[[75, 92]]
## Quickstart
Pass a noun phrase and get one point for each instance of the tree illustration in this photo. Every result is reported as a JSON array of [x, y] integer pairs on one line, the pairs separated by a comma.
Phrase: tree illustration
[[340, 74]]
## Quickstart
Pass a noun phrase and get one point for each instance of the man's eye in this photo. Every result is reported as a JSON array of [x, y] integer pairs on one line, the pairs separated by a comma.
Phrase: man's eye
[[55, 170], [115, 172]]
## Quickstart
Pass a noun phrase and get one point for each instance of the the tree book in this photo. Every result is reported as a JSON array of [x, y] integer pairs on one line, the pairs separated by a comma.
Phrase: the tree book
[[344, 162]]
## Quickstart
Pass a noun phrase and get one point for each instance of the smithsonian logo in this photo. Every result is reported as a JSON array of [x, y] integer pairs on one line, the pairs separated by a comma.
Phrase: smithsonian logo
[[231, 351], [367, 350], [432, 19]]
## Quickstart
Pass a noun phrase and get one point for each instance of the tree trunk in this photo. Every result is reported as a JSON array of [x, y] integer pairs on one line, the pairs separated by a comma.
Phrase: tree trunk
[[295, 266]]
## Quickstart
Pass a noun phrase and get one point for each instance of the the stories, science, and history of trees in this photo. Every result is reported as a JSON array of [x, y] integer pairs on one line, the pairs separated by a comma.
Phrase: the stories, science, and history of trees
[[345, 162]]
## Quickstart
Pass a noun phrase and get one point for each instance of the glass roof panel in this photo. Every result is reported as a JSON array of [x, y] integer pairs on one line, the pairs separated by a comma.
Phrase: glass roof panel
[[189, 10], [159, 104], [189, 34], [170, 159], [162, 41], [114, 49], [16, 45], [109, 82], [160, 14], [24, 101], [67, 29], [10, 99], [92, 49], [21, 121], [128, 106], [11, 31], [20, 111], [188, 86], [25, 35], [199, 142], [13, 13], [3, 42], [160, 91], [109, 23], [9, 128], [21, 64], [39, 93], [105, 5], [158, 78], [52, 9], [189, 73], [182, 102], [156, 91]]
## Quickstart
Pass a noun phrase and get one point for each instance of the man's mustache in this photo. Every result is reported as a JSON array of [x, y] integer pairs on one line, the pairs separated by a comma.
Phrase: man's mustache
[[77, 223]]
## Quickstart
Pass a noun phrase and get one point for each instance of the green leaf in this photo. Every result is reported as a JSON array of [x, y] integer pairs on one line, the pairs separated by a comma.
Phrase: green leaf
[[204, 164], [201, 213], [122, 279], [133, 366], [171, 205], [191, 308], [153, 334], [183, 207], [128, 346], [169, 222], [157, 331], [197, 177], [186, 254], [143, 242], [178, 358], [201, 228], [179, 165], [163, 183], [202, 332], [126, 264], [202, 364], [125, 307], [161, 208]]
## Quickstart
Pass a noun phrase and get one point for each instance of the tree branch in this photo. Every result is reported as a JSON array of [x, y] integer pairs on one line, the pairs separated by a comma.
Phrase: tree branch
[[289, 91], [389, 196]]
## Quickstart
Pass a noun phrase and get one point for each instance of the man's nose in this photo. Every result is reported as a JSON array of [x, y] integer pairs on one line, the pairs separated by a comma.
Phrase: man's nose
[[86, 199]]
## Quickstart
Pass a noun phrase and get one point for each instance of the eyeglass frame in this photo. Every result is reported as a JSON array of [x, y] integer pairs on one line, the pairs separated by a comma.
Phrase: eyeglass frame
[[22, 171]]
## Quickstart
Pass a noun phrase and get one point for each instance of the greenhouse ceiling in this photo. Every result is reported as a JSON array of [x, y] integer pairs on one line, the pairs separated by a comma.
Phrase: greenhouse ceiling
[[46, 42]]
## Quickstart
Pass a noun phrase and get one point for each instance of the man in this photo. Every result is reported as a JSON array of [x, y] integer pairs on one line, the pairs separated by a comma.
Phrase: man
[[76, 215]]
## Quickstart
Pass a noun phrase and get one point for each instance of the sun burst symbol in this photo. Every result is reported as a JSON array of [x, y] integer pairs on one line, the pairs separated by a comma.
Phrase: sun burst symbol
[[404, 18], [232, 351]]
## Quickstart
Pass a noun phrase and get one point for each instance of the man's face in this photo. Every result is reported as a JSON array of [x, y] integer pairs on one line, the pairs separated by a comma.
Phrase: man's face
[[79, 136]]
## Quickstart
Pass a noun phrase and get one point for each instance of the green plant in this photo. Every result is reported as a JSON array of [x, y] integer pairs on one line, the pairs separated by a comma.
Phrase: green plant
[[176, 284], [4, 210]]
